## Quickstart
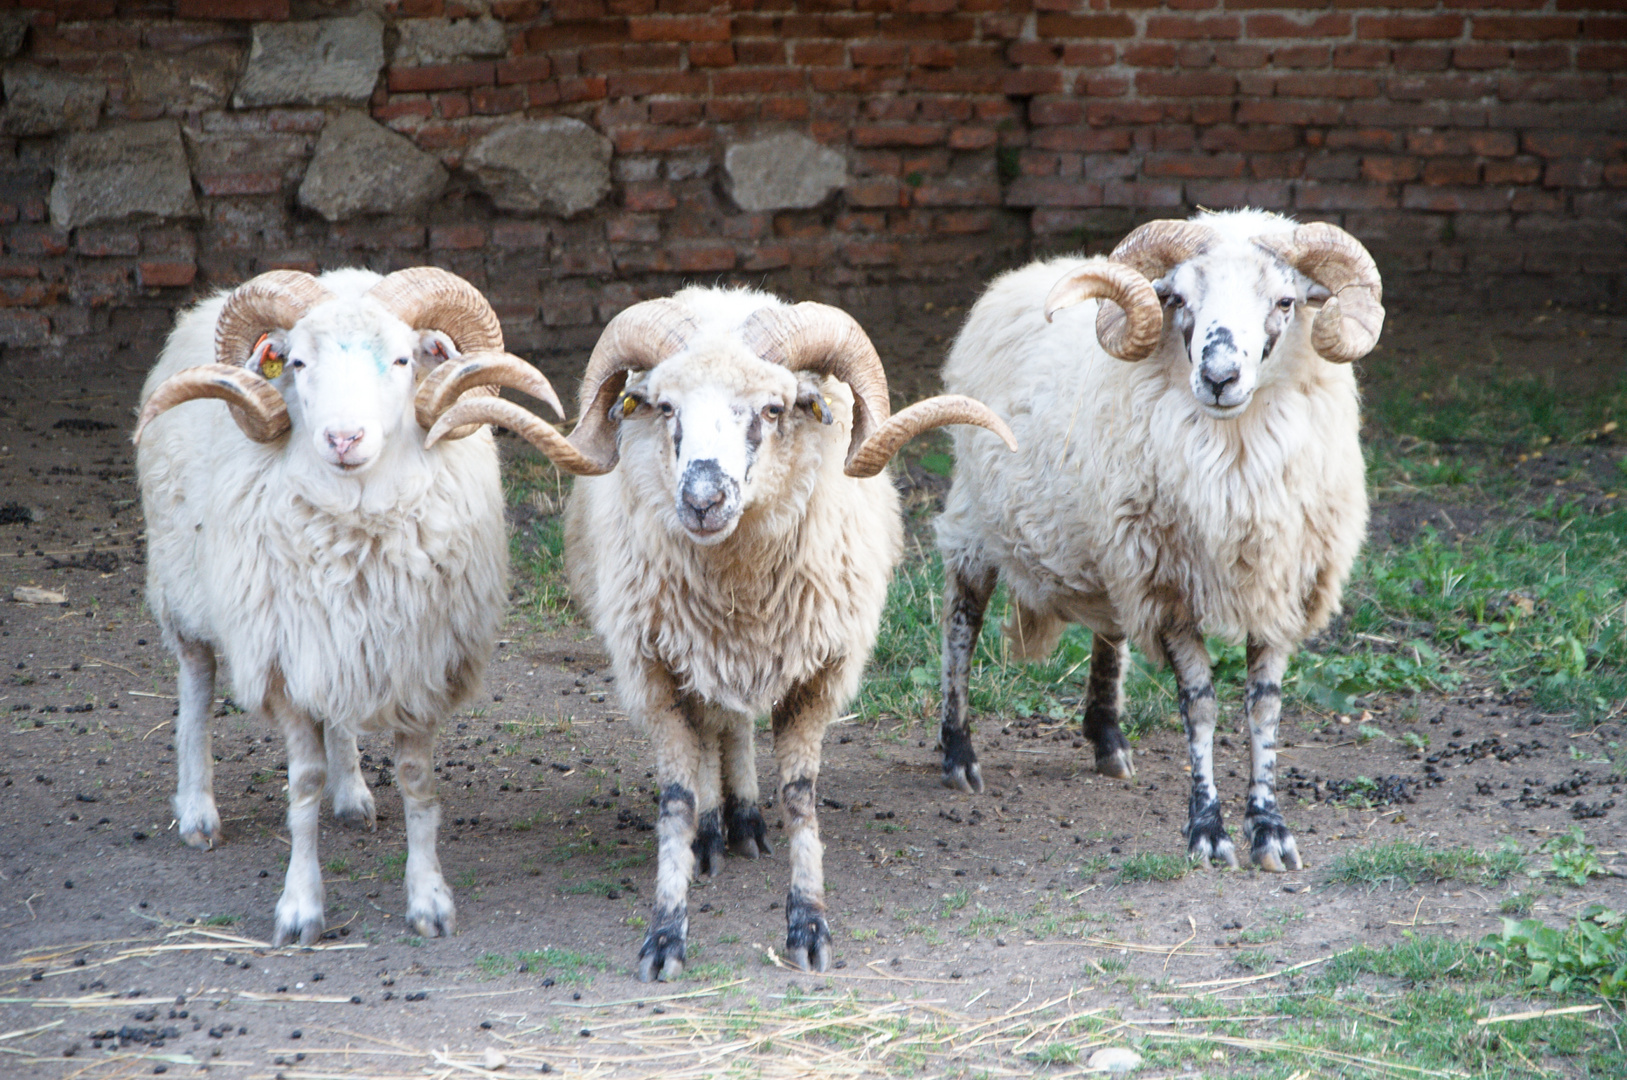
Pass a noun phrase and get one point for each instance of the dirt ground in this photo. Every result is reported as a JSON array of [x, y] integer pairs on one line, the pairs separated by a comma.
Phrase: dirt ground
[[132, 954]]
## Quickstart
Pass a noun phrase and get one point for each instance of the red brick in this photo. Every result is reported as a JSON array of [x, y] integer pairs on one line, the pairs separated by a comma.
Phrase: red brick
[[877, 192], [759, 82], [897, 135], [523, 69], [518, 10], [1029, 83], [648, 197], [1480, 57], [957, 193], [1603, 28], [1287, 56], [1315, 196], [1389, 170], [704, 258], [1167, 27], [1145, 54], [1422, 57], [1515, 171], [1051, 27], [456, 237], [1524, 27], [1186, 84], [454, 106], [1050, 191], [162, 274], [442, 77], [1573, 173], [1542, 57], [1275, 111], [574, 35], [972, 138], [1360, 56], [35, 241], [519, 234], [642, 85], [655, 140], [1193, 166], [495, 101], [679, 28], [1453, 200], [1317, 84], [1056, 111], [1326, 25], [872, 253], [1601, 57], [416, 107], [731, 110], [102, 244], [1409, 27], [964, 222], [257, 10], [1451, 171]]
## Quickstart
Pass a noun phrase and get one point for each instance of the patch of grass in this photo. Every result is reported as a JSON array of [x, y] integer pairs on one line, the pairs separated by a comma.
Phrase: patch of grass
[[954, 901], [537, 555], [466, 881], [591, 887], [1405, 862], [711, 971], [563, 965], [337, 867], [1518, 904], [1573, 857], [1153, 866], [221, 920], [1255, 960], [393, 867], [494, 965]]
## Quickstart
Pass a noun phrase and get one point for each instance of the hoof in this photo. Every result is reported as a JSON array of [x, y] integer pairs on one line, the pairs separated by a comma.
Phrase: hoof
[[708, 844], [297, 924], [807, 934], [1272, 846], [353, 805], [748, 833], [198, 823], [963, 776], [662, 955], [430, 911], [1116, 764], [1206, 839]]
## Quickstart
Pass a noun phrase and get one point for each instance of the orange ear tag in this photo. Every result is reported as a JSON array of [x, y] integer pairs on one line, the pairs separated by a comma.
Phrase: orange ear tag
[[270, 362]]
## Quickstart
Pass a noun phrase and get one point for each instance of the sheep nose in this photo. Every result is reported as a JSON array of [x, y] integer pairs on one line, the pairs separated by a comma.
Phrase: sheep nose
[[1216, 382], [342, 441], [702, 497]]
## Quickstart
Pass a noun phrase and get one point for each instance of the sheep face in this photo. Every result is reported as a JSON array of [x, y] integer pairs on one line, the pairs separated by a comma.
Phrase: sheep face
[[348, 372], [726, 421], [1231, 307]]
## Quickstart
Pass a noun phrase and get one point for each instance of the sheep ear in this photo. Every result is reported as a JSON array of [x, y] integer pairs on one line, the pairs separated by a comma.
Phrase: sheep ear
[[1317, 293], [628, 403], [269, 354], [811, 397], [434, 349]]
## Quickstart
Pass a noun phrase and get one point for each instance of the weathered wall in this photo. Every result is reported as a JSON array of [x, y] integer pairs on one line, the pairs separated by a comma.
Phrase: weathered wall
[[575, 155]]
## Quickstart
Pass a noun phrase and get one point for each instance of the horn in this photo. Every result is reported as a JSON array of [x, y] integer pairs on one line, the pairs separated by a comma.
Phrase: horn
[[484, 371], [1130, 330], [429, 298], [818, 337], [255, 404], [1349, 323], [636, 340], [274, 300], [1151, 250]]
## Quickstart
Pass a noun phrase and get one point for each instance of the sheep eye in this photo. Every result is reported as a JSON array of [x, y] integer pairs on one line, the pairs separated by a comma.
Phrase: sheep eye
[[666, 408], [1286, 303], [296, 364], [774, 412], [1176, 300], [402, 361]]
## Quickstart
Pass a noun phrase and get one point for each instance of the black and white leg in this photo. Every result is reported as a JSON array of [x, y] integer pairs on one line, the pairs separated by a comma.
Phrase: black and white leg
[[194, 803], [1205, 832], [966, 597], [1271, 845], [708, 845], [1104, 700], [800, 719], [742, 817], [675, 721], [348, 793], [430, 911], [300, 910]]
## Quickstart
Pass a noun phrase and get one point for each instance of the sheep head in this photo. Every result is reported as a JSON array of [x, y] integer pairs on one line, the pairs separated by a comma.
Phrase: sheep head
[[731, 408], [1232, 286], [348, 371]]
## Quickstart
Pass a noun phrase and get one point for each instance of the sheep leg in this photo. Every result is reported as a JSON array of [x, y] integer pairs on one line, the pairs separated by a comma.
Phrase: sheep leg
[[675, 722], [430, 911], [966, 597], [1104, 699], [1271, 845], [748, 834], [1205, 832], [347, 791], [300, 914], [708, 843], [194, 801], [800, 719]]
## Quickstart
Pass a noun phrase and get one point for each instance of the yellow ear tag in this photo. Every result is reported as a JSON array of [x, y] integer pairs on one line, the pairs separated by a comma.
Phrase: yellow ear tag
[[629, 404], [270, 362], [818, 407]]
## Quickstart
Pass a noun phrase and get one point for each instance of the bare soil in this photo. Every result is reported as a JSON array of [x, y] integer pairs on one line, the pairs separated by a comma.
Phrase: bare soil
[[974, 904]]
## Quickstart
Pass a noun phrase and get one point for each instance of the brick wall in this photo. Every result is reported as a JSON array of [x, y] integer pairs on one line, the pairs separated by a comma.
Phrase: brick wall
[[1479, 148]]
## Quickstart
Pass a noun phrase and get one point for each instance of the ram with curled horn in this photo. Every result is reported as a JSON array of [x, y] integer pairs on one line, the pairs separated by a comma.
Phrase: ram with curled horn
[[297, 528], [1190, 465], [731, 537]]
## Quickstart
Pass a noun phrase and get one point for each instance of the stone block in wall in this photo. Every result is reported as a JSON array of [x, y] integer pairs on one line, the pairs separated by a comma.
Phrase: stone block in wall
[[440, 41], [40, 101], [560, 165], [120, 172], [784, 171], [174, 84], [13, 32], [310, 63], [361, 167]]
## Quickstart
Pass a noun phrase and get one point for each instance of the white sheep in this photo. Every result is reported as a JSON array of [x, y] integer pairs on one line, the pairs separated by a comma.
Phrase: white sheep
[[350, 579], [1216, 486], [735, 563]]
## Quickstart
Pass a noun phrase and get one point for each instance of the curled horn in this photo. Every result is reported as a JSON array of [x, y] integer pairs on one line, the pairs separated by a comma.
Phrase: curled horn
[[817, 337], [635, 340], [1150, 251], [429, 298], [1348, 325], [272, 301]]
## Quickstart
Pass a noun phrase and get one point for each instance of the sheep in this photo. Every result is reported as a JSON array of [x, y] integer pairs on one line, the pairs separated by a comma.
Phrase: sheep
[[1214, 487], [736, 562], [350, 579]]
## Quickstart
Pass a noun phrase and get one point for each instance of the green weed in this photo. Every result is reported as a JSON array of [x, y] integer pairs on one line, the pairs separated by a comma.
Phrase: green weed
[[1588, 955], [1404, 862], [1153, 866], [1573, 857]]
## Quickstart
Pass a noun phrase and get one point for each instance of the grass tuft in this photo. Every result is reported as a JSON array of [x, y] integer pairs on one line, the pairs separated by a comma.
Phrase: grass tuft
[[1407, 863]]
